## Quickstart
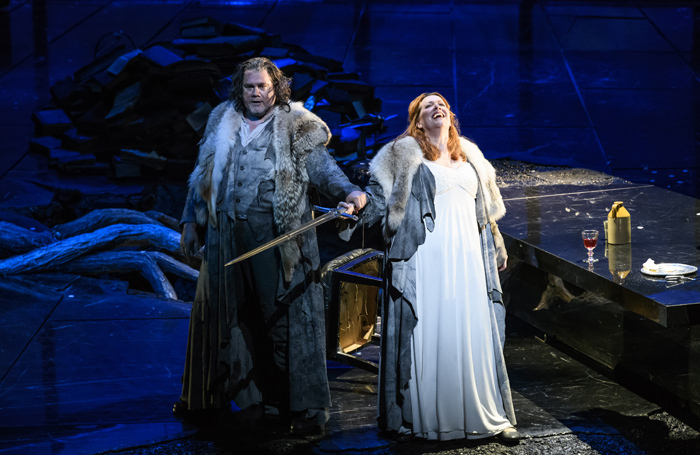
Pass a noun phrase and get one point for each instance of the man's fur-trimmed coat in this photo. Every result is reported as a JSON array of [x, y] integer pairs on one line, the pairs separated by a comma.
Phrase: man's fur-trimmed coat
[[219, 363], [295, 134]]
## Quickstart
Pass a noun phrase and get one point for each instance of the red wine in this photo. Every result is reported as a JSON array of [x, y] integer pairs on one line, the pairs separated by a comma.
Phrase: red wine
[[590, 243]]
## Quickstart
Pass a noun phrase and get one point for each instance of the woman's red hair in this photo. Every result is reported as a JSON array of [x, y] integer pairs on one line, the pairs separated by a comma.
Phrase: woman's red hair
[[430, 151]]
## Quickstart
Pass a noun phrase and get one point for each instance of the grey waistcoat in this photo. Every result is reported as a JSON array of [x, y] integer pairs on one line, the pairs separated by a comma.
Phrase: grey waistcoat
[[250, 184]]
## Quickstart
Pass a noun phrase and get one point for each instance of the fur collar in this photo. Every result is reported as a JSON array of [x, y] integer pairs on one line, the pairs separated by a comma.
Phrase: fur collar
[[397, 162], [294, 135]]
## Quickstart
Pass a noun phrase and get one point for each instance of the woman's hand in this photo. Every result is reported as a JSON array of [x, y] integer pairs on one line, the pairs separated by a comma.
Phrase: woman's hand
[[503, 266]]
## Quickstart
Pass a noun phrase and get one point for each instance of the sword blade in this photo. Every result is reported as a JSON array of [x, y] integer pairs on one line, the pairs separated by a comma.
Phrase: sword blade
[[330, 215]]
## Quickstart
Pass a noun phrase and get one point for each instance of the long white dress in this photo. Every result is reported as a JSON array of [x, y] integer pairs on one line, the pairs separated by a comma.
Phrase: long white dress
[[454, 385]]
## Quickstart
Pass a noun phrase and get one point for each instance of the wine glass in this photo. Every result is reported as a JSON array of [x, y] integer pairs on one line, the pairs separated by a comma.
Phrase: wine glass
[[590, 239]]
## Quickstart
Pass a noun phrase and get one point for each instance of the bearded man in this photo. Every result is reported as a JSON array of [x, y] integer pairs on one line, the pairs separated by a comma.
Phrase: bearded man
[[257, 332]]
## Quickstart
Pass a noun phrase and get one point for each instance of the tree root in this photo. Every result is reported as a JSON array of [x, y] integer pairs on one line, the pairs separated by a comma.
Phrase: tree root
[[109, 241]]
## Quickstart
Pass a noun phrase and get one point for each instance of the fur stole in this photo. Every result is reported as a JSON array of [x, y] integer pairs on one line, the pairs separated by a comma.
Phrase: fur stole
[[396, 164], [294, 135]]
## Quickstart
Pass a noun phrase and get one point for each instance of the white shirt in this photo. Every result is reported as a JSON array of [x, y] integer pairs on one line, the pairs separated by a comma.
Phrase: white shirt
[[247, 135]]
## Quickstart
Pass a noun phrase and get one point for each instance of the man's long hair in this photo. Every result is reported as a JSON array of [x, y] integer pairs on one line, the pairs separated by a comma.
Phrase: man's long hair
[[280, 82], [430, 151]]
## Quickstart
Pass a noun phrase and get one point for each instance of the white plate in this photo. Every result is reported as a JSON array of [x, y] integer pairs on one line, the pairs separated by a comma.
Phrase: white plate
[[666, 268]]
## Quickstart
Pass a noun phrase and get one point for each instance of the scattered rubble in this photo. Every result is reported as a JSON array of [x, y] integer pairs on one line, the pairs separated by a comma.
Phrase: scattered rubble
[[519, 173]]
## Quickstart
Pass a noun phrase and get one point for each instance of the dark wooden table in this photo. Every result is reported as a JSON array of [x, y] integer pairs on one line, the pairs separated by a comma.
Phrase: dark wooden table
[[543, 228]]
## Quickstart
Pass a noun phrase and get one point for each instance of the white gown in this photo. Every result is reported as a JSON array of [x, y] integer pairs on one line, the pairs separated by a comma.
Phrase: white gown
[[454, 385]]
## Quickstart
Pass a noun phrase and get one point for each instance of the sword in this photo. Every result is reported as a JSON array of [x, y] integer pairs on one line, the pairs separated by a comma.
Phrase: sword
[[329, 214]]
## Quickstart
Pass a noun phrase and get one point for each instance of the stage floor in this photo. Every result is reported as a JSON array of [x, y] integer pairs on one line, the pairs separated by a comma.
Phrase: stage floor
[[89, 367]]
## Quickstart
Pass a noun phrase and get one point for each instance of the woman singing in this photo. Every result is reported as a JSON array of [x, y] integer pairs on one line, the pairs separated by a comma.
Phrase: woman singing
[[442, 372]]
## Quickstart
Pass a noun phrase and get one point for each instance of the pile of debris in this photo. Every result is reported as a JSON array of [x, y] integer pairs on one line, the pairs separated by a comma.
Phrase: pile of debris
[[140, 112]]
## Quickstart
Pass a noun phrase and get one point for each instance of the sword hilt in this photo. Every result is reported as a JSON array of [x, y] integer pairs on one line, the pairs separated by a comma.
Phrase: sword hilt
[[338, 211]]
